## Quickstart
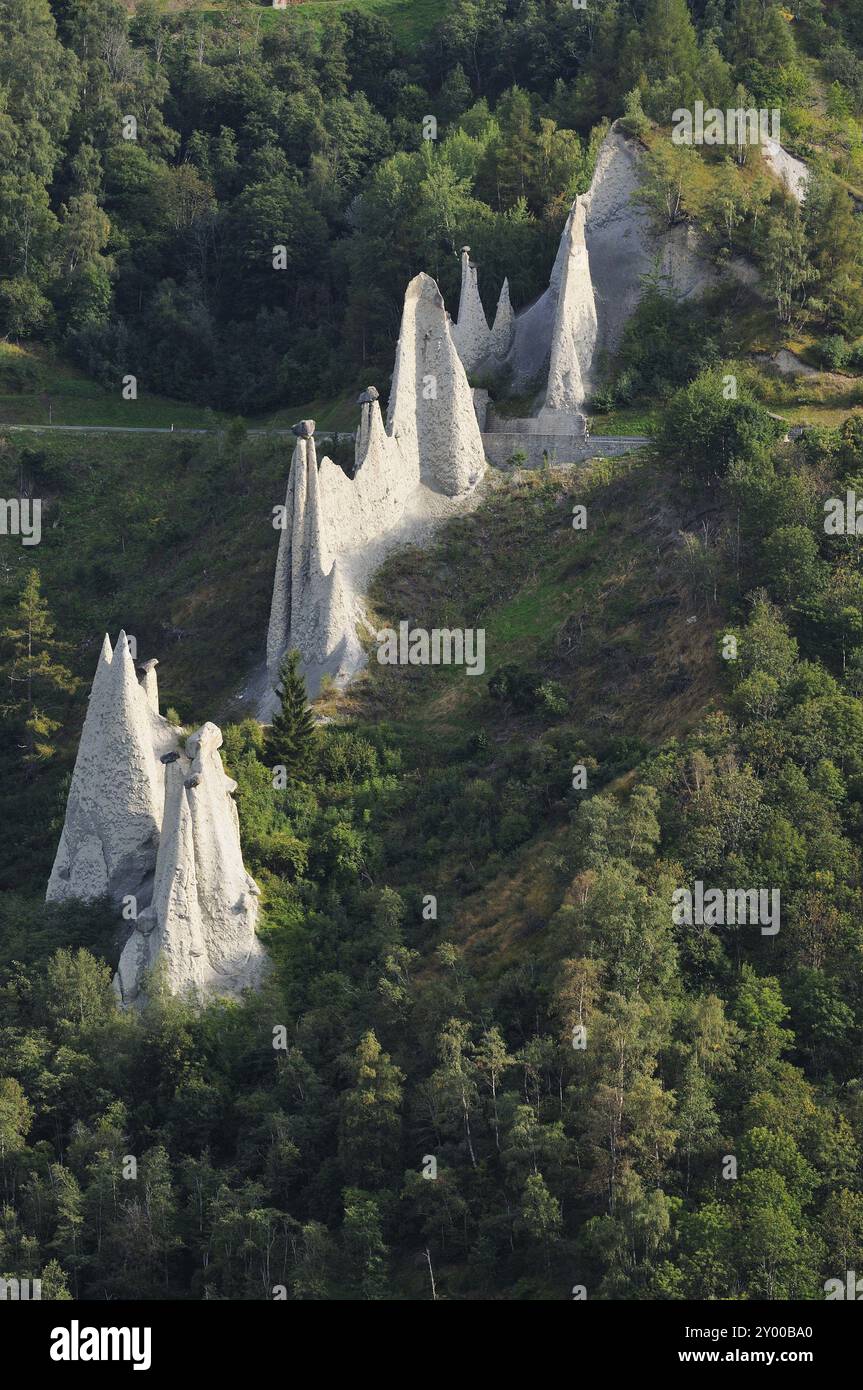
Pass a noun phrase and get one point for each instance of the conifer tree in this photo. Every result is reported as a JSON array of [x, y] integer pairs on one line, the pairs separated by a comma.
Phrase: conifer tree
[[32, 673], [292, 736], [669, 58]]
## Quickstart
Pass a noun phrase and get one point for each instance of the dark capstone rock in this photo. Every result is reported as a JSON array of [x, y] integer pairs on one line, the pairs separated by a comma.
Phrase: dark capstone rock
[[169, 757], [192, 781], [371, 393], [304, 429]]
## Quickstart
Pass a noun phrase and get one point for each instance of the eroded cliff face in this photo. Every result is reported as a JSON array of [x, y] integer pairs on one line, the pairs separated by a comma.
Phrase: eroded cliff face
[[199, 929], [471, 333], [793, 173], [114, 807], [408, 475], [573, 339], [608, 240], [431, 410], [621, 247], [477, 345], [154, 828], [503, 329]]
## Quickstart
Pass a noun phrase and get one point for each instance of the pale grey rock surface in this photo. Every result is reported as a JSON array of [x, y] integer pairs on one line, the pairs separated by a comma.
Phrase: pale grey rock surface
[[471, 333], [114, 807], [480, 347], [200, 927], [503, 329], [622, 248], [792, 172], [409, 474], [573, 340], [155, 827]]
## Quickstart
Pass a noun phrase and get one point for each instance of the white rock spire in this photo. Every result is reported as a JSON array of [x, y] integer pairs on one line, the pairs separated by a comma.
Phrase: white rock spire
[[114, 806], [155, 828], [200, 926], [471, 334], [504, 325], [337, 529], [574, 335]]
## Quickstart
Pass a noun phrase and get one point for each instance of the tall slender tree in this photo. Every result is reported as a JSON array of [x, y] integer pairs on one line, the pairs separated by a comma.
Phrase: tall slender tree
[[34, 676], [292, 736]]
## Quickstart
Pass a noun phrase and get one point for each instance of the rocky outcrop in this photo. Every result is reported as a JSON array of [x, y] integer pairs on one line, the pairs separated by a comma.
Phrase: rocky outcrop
[[337, 529], [155, 830], [793, 173], [503, 331], [199, 929], [471, 333], [114, 807], [480, 347], [622, 247], [169, 932], [408, 474], [573, 338], [431, 415]]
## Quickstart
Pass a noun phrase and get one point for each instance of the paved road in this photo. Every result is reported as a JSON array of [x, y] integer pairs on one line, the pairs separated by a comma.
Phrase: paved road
[[159, 429], [189, 429]]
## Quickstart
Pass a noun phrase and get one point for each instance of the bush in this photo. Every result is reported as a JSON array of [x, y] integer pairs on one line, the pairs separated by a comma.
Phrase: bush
[[284, 854], [855, 357], [514, 686], [553, 699], [19, 373], [24, 310], [702, 431], [833, 352], [346, 756]]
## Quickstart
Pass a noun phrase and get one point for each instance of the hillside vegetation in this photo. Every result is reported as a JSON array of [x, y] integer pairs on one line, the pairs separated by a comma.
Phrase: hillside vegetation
[[452, 1033], [491, 1062]]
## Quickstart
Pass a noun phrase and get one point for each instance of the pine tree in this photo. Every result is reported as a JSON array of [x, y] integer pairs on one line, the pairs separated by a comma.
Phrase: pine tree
[[32, 672], [292, 737], [669, 57]]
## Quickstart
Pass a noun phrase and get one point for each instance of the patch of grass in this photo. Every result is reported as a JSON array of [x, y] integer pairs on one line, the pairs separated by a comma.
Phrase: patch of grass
[[340, 413], [170, 538], [604, 613], [825, 399], [593, 610], [623, 419], [412, 20], [36, 391]]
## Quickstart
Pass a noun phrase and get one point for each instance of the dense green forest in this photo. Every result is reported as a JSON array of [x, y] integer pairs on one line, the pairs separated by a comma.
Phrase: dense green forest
[[149, 166], [467, 884]]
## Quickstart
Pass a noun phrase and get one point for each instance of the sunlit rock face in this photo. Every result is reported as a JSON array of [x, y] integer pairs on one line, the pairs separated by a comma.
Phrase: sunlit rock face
[[152, 825], [408, 474], [607, 246]]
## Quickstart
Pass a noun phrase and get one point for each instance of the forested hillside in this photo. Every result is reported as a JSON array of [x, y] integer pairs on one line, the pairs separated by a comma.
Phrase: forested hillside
[[149, 167], [489, 1063]]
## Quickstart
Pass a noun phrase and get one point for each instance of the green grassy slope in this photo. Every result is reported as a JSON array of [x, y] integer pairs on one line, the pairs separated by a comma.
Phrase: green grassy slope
[[604, 616], [412, 20], [173, 539], [36, 391]]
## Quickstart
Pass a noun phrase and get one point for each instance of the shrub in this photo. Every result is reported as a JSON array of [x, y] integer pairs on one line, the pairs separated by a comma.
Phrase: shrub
[[515, 686], [553, 699], [833, 352]]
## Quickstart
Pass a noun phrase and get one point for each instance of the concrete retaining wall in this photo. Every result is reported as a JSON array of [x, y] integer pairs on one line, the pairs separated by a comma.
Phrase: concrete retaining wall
[[560, 448]]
